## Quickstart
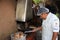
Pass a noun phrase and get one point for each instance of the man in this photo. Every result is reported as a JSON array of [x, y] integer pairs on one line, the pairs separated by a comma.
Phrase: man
[[50, 24]]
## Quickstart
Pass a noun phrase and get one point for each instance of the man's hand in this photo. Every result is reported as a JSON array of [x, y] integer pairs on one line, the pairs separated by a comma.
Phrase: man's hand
[[36, 29]]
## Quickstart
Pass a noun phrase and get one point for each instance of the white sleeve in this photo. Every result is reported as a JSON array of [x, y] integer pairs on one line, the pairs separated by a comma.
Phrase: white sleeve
[[55, 25]]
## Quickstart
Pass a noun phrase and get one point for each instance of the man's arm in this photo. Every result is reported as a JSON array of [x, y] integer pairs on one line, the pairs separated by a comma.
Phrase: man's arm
[[55, 34], [55, 29], [36, 29]]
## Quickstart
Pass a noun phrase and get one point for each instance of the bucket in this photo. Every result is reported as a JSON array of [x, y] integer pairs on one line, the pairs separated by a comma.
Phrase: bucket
[[17, 36]]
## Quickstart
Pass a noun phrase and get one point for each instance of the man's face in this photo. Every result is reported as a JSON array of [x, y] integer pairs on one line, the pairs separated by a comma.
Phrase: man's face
[[43, 15]]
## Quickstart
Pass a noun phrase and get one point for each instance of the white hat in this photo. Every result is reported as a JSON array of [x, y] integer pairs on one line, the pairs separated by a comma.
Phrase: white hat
[[41, 10]]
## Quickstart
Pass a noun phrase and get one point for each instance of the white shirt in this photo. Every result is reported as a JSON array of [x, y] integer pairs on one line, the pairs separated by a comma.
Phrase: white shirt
[[50, 25]]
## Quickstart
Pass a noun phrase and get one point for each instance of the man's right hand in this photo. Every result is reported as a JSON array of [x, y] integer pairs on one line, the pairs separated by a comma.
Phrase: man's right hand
[[36, 29]]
